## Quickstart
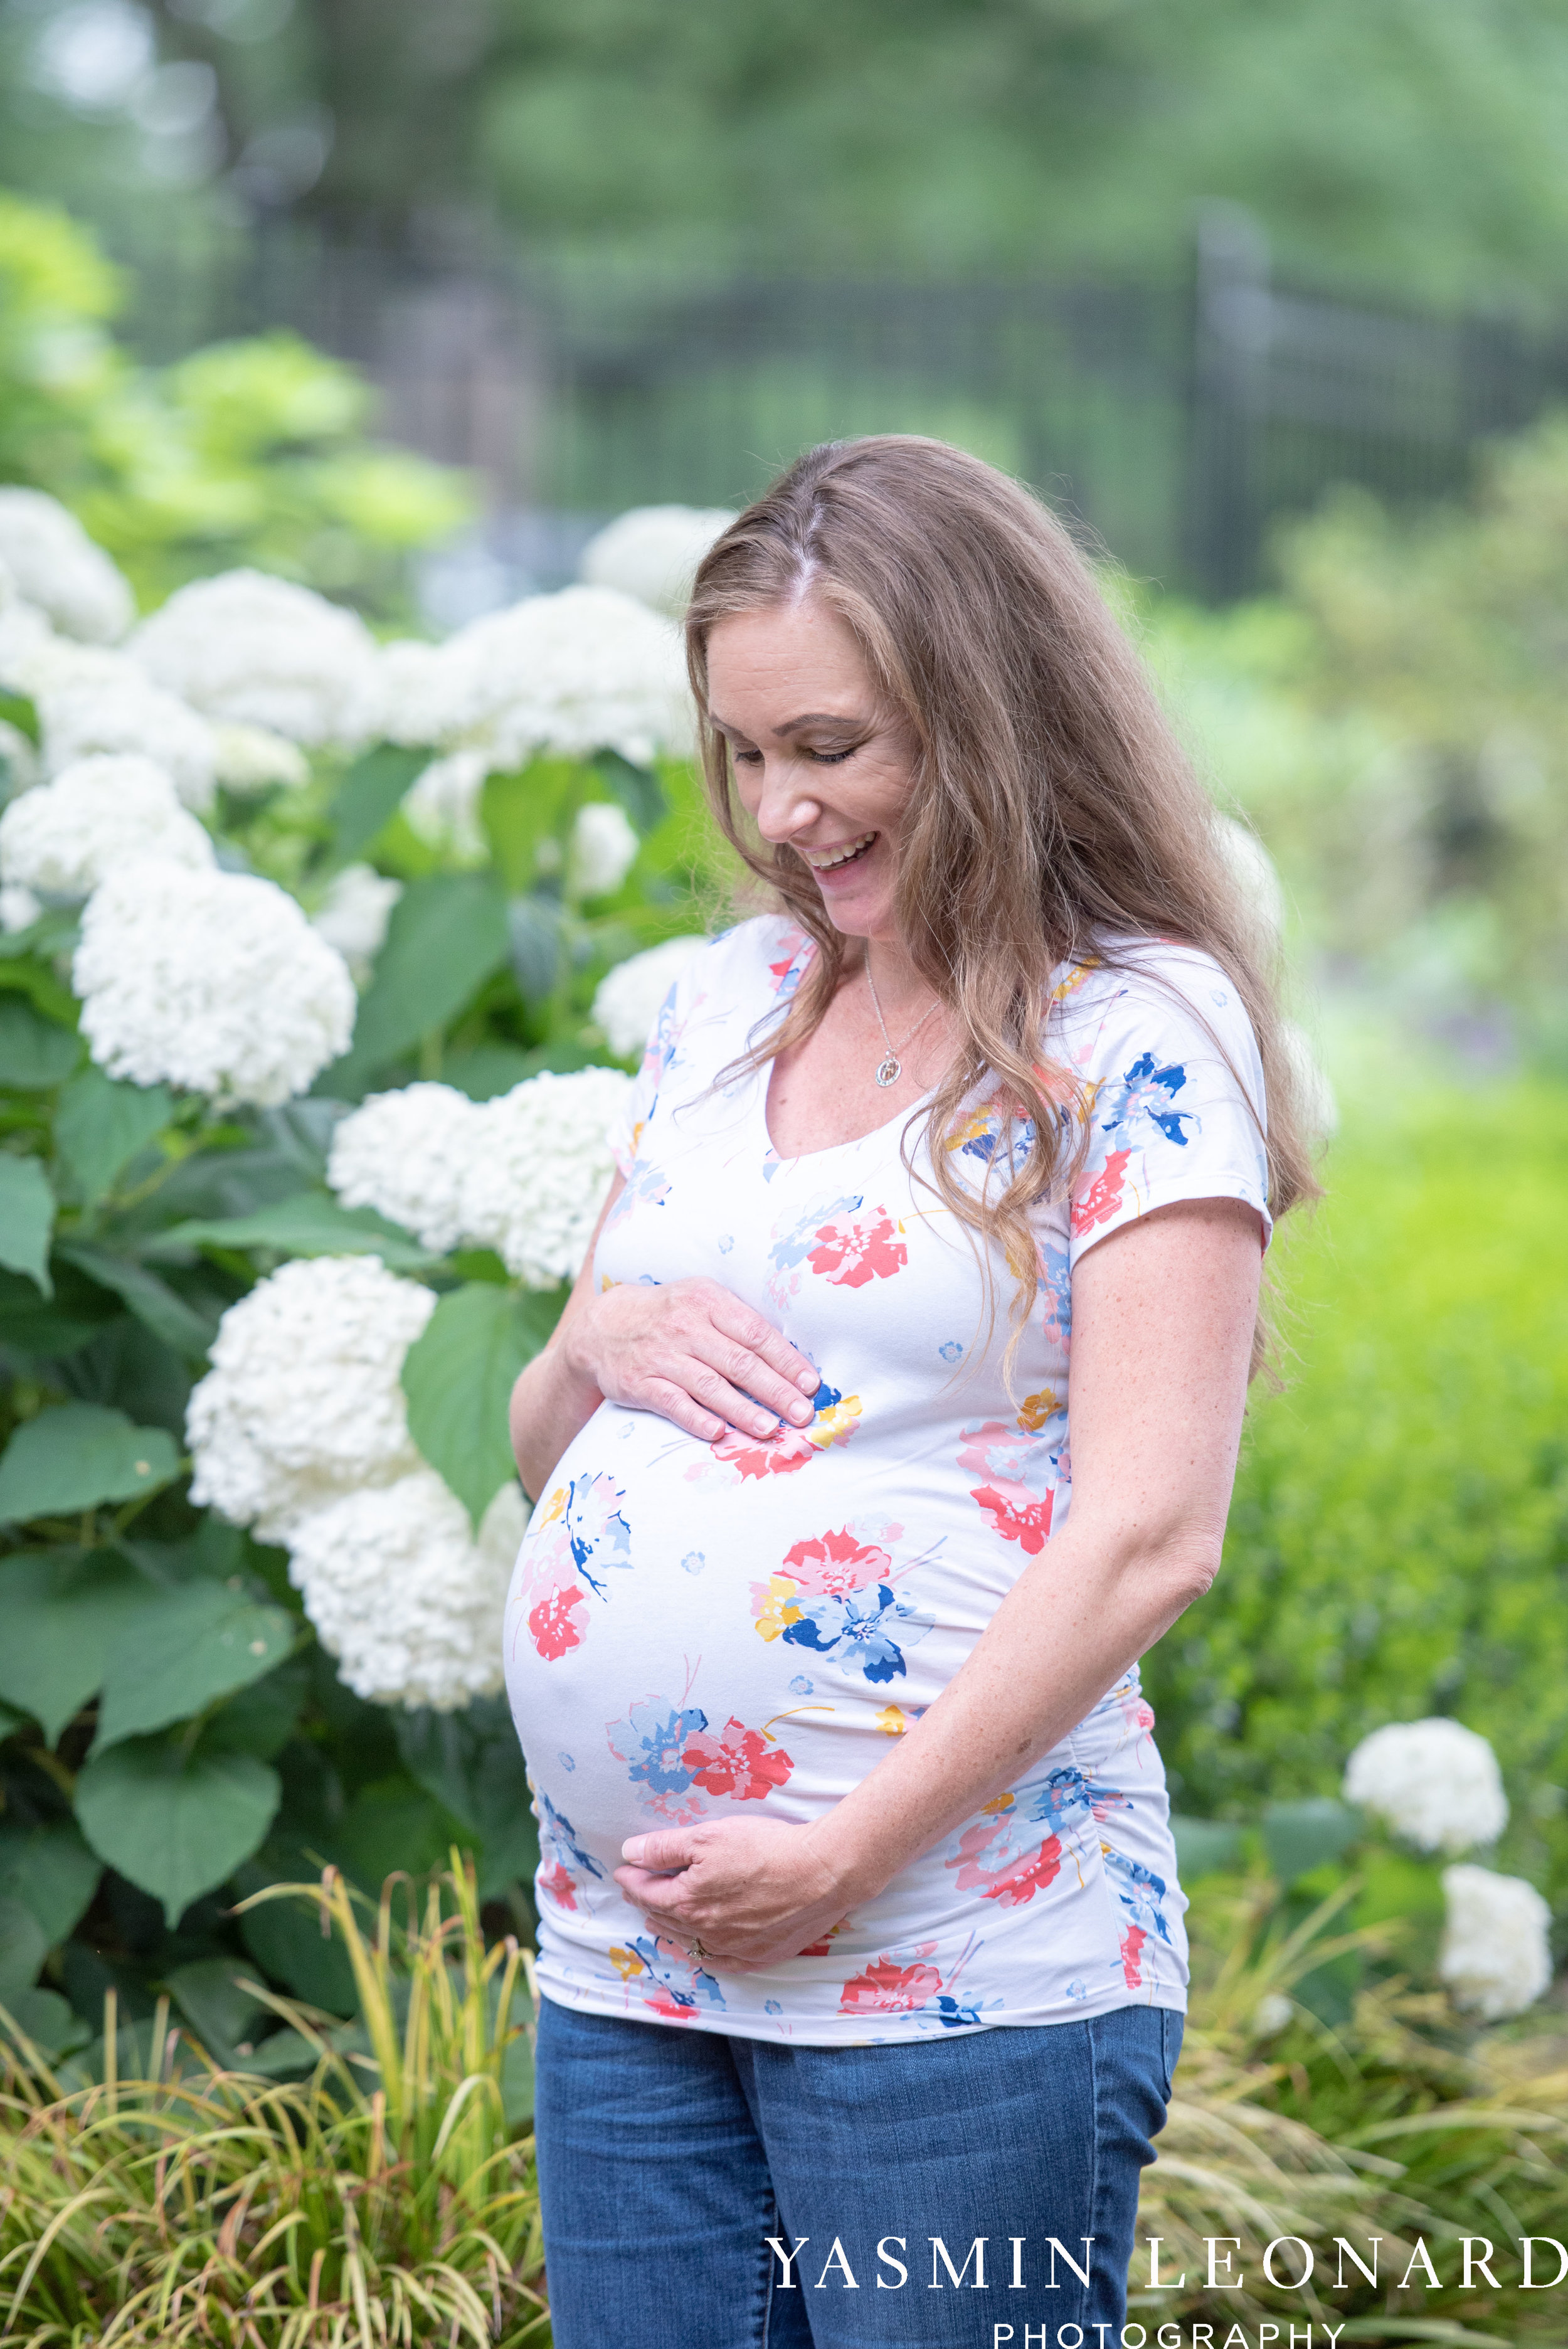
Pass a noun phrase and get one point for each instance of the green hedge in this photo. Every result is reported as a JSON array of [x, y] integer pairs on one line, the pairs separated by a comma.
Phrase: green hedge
[[1399, 1540]]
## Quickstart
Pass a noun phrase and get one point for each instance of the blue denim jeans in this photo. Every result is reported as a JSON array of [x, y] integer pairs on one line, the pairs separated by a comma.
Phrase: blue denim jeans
[[667, 2157]]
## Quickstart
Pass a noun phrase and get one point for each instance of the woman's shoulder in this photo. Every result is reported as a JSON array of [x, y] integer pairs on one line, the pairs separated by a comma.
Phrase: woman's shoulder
[[752, 965], [1137, 995]]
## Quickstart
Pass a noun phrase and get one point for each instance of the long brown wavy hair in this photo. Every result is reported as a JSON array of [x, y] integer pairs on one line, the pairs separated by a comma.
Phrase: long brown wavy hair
[[1052, 812]]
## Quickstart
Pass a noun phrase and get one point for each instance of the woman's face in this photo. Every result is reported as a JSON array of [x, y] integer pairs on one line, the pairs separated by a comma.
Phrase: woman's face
[[818, 762]]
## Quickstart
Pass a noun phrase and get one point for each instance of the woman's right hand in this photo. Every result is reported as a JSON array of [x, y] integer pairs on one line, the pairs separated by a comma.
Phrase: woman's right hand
[[693, 1352]]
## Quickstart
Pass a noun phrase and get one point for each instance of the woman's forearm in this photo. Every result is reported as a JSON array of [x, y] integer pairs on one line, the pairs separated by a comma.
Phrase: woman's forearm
[[552, 1402], [1074, 1622]]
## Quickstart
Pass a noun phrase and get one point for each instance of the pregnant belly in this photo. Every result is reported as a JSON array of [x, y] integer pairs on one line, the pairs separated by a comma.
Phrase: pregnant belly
[[685, 1636]]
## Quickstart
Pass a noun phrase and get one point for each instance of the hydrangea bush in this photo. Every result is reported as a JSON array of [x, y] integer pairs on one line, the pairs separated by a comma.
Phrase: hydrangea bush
[[323, 964]]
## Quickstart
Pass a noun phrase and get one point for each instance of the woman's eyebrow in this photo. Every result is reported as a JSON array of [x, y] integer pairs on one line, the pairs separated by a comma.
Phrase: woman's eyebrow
[[850, 723]]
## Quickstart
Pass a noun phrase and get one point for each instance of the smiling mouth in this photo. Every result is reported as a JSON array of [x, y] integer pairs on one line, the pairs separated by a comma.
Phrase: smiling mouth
[[829, 860]]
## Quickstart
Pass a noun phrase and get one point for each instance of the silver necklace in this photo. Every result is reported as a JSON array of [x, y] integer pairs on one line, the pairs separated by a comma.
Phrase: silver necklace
[[890, 1069]]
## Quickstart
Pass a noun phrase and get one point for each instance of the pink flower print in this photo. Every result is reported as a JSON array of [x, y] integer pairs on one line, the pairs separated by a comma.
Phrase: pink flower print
[[1014, 1513], [1014, 1462], [666, 1977], [1103, 1196], [559, 1883], [737, 1762], [795, 946], [989, 1863], [787, 1448], [851, 1254], [831, 1565], [887, 1988], [556, 1624], [1132, 1942]]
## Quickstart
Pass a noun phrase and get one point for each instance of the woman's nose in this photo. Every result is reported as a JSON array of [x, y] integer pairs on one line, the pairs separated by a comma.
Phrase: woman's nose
[[787, 806]]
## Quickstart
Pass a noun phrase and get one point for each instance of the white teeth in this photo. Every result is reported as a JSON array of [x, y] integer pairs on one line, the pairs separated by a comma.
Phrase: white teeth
[[825, 863]]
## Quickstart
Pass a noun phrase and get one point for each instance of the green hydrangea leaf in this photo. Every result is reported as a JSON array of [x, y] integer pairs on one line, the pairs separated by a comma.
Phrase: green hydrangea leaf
[[63, 1611], [186, 1647], [78, 1454], [100, 1125], [174, 1824], [27, 1218], [457, 1376]]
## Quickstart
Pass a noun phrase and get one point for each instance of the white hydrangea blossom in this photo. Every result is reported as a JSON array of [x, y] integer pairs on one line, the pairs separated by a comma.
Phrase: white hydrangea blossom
[[628, 999], [19, 909], [653, 552], [1434, 1782], [111, 707], [1319, 1106], [19, 757], [1271, 2014], [540, 1170], [258, 651], [1253, 871], [253, 758], [302, 1403], [583, 671], [213, 981], [354, 914], [401, 1593], [1496, 1956], [55, 567], [443, 804], [408, 1154], [602, 849], [412, 702], [95, 817], [26, 640]]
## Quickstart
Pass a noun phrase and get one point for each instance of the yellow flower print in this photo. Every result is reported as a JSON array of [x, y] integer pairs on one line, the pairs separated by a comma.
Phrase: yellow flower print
[[1035, 1409], [627, 1963], [554, 1507], [975, 1128], [997, 1803], [778, 1609], [890, 1720], [836, 1424], [1075, 979]]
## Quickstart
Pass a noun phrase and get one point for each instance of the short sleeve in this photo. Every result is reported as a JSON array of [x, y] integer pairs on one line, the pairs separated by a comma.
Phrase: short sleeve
[[639, 1103], [1173, 1091]]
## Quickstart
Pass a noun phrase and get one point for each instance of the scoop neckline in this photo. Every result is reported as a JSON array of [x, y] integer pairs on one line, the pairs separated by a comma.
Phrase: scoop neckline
[[762, 1079], [833, 1149]]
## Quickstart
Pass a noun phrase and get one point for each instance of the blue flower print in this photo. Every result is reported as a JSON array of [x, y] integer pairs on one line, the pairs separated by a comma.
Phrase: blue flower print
[[858, 1631], [557, 1830], [653, 1740], [598, 1534], [693, 1561], [953, 1351], [791, 1249], [674, 1985], [1066, 1801], [1143, 1095], [1138, 1890]]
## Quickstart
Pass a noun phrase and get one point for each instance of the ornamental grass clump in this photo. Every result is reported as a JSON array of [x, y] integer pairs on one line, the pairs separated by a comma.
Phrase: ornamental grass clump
[[382, 2200]]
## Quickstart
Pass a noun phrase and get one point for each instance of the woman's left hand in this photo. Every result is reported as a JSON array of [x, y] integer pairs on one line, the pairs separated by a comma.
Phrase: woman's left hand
[[751, 1892]]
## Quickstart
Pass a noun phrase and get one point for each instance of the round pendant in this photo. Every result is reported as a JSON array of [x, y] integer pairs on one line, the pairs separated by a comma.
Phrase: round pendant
[[890, 1071]]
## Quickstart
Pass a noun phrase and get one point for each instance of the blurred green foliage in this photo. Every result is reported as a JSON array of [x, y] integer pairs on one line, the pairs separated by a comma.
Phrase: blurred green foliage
[[1399, 1540], [249, 451], [1395, 723], [1415, 144]]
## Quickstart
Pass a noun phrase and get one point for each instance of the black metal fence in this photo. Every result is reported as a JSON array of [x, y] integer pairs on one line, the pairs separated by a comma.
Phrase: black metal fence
[[1176, 423]]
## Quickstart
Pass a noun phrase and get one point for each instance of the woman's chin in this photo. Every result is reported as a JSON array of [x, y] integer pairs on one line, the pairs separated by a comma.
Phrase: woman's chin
[[859, 911]]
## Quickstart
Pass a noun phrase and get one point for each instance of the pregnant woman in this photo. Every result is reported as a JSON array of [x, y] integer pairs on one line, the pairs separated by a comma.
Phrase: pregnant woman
[[861, 1942]]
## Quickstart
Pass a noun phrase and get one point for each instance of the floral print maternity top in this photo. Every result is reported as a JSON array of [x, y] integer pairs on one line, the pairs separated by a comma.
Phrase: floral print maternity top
[[692, 1630]]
